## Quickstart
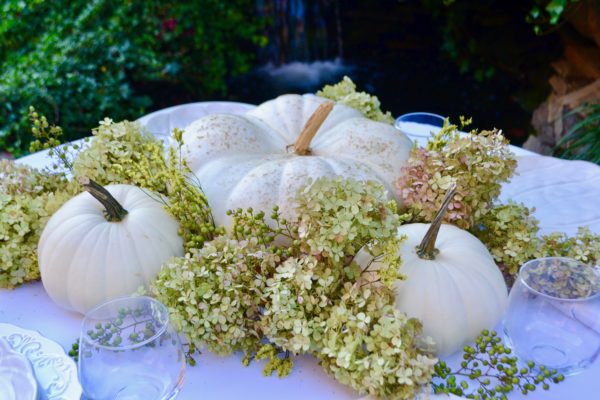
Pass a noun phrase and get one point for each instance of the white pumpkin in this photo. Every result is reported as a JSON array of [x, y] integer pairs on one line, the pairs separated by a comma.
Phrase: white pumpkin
[[261, 159], [453, 284], [85, 258], [457, 294]]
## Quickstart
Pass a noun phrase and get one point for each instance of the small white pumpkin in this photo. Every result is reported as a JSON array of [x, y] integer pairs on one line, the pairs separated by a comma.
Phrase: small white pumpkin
[[105, 244], [452, 283], [454, 288], [261, 159]]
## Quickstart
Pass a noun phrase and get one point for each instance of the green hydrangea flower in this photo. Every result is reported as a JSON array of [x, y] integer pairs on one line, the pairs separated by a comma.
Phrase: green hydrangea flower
[[28, 198], [344, 92]]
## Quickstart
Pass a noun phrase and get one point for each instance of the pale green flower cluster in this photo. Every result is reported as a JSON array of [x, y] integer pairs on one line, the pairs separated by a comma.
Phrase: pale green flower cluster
[[27, 200], [300, 296], [123, 153], [344, 92], [214, 294], [584, 247], [336, 218], [477, 163], [511, 234], [369, 345], [306, 296]]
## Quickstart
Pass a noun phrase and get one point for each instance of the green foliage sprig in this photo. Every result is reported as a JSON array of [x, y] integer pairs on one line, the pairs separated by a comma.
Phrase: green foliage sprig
[[49, 137], [495, 372], [547, 13], [582, 141]]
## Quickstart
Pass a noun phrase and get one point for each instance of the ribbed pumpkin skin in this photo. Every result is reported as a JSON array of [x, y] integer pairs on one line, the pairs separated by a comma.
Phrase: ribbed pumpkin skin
[[245, 161], [458, 294], [85, 260]]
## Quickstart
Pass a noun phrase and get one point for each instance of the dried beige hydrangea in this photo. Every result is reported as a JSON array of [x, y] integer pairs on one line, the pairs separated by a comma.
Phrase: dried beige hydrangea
[[478, 163]]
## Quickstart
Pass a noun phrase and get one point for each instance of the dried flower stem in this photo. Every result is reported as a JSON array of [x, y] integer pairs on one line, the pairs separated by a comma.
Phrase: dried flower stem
[[301, 147], [113, 210], [426, 249]]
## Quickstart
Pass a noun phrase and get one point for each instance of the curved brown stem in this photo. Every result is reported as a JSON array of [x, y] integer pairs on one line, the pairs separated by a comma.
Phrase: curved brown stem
[[426, 249], [113, 211], [301, 147]]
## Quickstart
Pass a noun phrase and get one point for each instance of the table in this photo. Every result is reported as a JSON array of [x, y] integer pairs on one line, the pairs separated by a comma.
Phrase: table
[[552, 186]]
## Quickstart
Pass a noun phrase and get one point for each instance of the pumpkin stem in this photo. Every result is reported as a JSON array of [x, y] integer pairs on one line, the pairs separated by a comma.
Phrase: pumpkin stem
[[311, 127], [113, 211], [426, 250]]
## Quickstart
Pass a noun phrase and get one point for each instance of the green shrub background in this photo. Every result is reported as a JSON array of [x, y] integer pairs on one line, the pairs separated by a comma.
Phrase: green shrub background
[[78, 61]]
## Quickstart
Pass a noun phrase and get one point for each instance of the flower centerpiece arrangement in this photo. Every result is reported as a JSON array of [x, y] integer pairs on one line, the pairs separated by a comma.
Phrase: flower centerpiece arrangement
[[309, 225]]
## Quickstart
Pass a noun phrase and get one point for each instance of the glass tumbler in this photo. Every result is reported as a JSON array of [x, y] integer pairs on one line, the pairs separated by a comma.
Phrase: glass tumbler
[[419, 124], [553, 315], [129, 351]]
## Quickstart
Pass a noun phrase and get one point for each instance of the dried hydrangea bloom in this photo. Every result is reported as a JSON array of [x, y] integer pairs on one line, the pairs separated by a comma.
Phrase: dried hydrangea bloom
[[510, 232], [478, 163], [124, 153], [344, 92], [28, 198]]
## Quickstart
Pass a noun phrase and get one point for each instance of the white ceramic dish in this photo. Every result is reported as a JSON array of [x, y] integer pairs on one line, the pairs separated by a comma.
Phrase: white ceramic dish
[[17, 381], [55, 372]]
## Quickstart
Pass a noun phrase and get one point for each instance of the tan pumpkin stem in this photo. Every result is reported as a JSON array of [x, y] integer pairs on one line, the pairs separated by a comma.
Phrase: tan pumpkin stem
[[113, 211], [426, 250], [301, 147]]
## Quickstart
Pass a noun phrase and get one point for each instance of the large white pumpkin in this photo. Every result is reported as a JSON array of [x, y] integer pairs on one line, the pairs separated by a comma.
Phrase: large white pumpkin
[[85, 259], [251, 161]]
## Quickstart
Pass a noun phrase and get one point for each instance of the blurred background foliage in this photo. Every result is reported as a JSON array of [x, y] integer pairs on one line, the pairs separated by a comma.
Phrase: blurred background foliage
[[79, 61]]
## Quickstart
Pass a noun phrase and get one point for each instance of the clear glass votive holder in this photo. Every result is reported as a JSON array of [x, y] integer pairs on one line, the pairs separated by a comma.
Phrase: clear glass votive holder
[[419, 124], [553, 314], [129, 351]]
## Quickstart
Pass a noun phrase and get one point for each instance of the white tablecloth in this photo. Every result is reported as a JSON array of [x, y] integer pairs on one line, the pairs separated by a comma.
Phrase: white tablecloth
[[565, 194]]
